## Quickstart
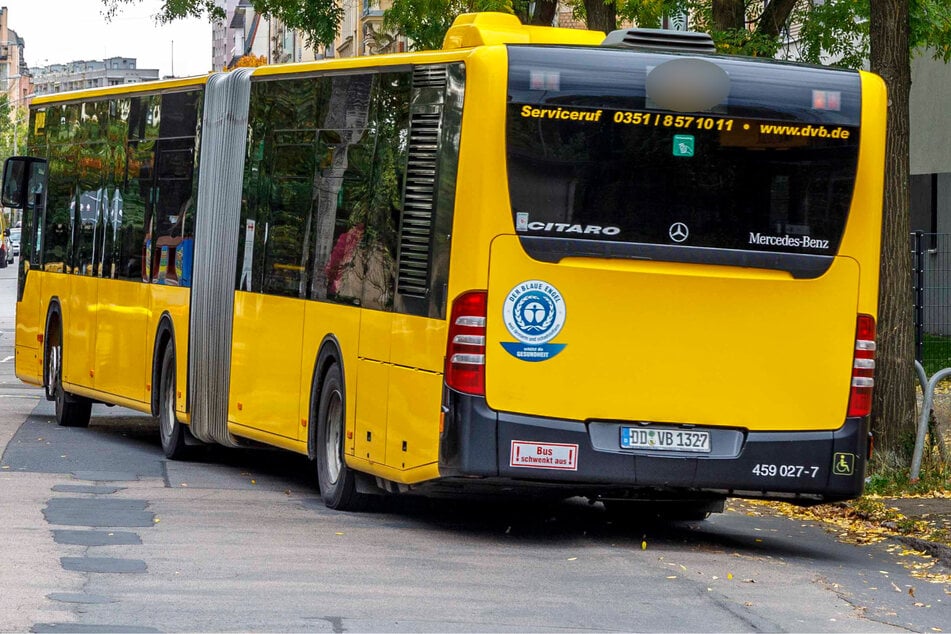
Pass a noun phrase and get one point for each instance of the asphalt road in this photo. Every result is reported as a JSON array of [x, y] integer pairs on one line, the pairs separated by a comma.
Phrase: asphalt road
[[99, 533]]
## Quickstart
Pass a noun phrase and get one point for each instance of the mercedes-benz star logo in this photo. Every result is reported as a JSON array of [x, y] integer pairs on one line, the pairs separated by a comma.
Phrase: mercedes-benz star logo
[[678, 232]]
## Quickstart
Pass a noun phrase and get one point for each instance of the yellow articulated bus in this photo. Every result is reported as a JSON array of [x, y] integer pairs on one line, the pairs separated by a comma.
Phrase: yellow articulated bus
[[538, 260]]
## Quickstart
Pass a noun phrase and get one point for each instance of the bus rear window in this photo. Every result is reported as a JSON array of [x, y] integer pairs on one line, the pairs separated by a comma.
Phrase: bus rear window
[[757, 181]]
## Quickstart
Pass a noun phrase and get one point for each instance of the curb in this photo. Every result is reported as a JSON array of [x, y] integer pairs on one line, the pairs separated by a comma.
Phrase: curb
[[940, 552]]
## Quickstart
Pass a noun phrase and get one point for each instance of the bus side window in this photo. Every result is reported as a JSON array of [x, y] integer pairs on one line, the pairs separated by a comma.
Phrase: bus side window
[[174, 184], [61, 124], [130, 242], [354, 247], [93, 159]]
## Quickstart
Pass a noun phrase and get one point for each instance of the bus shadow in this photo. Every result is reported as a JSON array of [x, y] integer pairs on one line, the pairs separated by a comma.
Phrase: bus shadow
[[529, 522], [503, 519]]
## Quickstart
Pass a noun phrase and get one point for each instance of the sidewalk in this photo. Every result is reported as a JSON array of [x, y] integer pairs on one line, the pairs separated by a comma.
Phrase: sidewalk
[[933, 512]]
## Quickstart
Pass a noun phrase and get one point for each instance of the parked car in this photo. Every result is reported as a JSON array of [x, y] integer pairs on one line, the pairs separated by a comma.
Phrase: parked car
[[14, 243]]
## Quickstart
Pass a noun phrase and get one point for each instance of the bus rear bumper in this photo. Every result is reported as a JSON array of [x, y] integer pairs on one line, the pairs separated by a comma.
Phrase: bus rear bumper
[[801, 467]]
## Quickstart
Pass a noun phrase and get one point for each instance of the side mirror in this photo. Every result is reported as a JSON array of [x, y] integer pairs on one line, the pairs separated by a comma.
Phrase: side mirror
[[17, 173]]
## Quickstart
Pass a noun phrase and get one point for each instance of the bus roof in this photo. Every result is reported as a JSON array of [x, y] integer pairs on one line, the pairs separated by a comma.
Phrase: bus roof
[[124, 89]]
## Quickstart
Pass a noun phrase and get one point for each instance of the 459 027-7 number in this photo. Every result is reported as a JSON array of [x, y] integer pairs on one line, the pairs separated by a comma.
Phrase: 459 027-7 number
[[785, 470]]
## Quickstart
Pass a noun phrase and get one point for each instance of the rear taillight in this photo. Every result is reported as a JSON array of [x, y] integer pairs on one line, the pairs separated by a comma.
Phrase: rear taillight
[[863, 367], [465, 351]]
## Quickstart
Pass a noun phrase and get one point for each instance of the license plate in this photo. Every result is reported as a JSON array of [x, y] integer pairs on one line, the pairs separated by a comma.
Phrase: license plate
[[665, 439]]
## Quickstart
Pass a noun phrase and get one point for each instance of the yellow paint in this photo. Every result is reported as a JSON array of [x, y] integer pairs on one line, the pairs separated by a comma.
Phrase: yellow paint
[[419, 342], [413, 418], [488, 28], [343, 322], [371, 410], [123, 341], [78, 303], [266, 363], [667, 342], [408, 476], [125, 90], [862, 238], [275, 440], [28, 364]]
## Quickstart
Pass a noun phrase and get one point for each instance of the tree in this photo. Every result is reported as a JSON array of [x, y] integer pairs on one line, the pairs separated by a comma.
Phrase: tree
[[13, 127], [249, 61], [425, 22]]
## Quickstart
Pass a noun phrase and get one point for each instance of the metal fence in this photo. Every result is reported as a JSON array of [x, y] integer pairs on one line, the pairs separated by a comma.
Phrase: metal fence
[[931, 278]]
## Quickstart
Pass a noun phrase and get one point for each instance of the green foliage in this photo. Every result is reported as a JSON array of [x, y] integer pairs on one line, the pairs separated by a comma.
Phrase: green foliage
[[836, 30], [930, 26], [318, 20], [172, 9], [893, 480], [13, 128], [935, 353], [425, 22]]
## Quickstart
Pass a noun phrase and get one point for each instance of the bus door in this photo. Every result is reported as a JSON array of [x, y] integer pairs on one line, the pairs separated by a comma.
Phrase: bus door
[[24, 188], [82, 300]]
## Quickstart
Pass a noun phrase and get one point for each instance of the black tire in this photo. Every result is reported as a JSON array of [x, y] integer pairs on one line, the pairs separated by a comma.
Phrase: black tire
[[171, 431], [71, 410], [338, 483]]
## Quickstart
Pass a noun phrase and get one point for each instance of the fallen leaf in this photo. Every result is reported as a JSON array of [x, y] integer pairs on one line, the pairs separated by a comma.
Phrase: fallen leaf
[[911, 591], [643, 545]]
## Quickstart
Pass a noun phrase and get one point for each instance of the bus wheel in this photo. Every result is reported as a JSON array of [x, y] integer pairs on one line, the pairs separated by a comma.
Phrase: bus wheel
[[337, 481], [171, 431], [71, 411]]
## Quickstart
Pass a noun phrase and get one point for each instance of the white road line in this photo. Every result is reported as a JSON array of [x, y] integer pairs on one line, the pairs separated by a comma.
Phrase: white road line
[[6, 359]]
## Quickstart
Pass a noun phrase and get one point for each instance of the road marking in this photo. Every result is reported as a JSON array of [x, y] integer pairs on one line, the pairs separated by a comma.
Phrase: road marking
[[6, 359]]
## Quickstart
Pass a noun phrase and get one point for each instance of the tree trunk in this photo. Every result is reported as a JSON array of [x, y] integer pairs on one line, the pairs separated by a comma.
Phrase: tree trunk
[[601, 15], [774, 17], [544, 12], [893, 410], [729, 14]]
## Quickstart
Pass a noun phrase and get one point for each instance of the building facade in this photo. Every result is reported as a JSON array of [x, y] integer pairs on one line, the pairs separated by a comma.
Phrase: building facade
[[14, 74], [244, 33], [82, 74]]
